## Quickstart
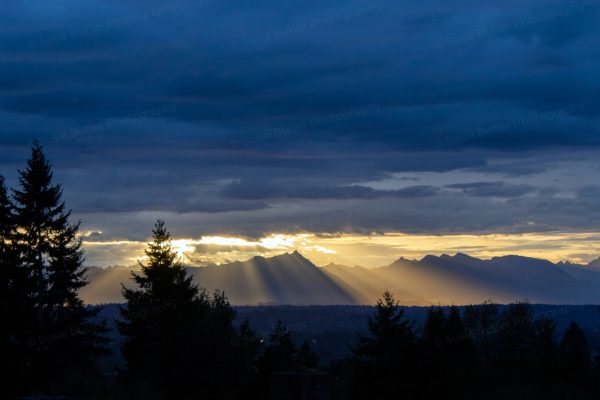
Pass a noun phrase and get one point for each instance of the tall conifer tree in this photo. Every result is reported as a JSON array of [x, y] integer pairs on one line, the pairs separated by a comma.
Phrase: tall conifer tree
[[62, 340], [165, 321], [392, 335], [179, 342], [388, 353], [574, 353]]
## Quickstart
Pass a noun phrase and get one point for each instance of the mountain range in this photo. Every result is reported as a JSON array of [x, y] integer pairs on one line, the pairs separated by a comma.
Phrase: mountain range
[[460, 279]]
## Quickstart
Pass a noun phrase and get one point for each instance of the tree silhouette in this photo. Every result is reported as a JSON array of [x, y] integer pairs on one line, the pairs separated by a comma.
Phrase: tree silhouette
[[544, 347], [244, 366], [434, 329], [163, 317], [447, 353], [574, 353], [306, 357], [482, 323], [515, 341], [433, 347], [388, 354], [391, 335], [180, 342], [279, 354], [63, 340]]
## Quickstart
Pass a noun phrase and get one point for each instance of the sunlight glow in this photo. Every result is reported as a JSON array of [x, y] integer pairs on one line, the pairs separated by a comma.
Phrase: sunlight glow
[[269, 242], [183, 246], [364, 250]]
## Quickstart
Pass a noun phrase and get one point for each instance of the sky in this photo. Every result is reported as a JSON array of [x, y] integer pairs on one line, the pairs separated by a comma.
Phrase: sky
[[354, 131]]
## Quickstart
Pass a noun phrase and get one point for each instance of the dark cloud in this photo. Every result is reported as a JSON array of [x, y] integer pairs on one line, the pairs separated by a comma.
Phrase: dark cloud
[[252, 190], [286, 105], [590, 196], [492, 189]]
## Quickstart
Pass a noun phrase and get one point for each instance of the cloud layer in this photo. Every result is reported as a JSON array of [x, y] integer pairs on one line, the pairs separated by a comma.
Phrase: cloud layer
[[320, 116]]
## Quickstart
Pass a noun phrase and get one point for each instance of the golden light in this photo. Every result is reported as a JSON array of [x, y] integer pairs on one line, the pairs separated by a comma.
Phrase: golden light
[[270, 242], [183, 246], [365, 250]]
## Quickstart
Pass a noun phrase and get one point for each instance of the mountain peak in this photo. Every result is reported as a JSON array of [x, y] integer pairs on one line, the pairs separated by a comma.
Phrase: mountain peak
[[595, 263], [522, 259], [431, 258], [293, 256], [296, 254], [457, 258], [402, 261], [463, 256]]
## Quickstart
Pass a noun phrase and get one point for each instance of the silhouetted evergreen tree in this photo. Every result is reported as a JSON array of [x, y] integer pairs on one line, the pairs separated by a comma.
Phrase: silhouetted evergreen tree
[[225, 351], [459, 341], [515, 341], [461, 354], [388, 356], [391, 335], [279, 354], [482, 324], [63, 340], [180, 342], [165, 323], [306, 357], [574, 354], [433, 360], [247, 348], [524, 353], [447, 354], [544, 347], [434, 329]]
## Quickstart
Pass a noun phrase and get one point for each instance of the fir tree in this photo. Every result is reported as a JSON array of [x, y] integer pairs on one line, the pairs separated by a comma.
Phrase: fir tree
[[574, 353], [460, 347], [307, 358], [155, 310], [248, 342], [545, 348], [391, 337], [223, 350], [387, 357], [63, 342], [434, 330], [180, 342], [247, 346], [40, 216], [279, 354], [515, 340], [481, 323]]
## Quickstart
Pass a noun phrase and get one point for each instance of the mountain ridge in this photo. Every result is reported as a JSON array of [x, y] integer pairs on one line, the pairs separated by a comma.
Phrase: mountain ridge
[[291, 278]]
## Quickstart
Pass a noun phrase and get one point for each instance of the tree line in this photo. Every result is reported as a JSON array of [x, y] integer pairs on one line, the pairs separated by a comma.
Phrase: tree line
[[477, 351], [180, 342]]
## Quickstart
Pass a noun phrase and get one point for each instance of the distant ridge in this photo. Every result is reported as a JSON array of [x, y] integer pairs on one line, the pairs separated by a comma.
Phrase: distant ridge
[[595, 263], [459, 279], [284, 279]]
